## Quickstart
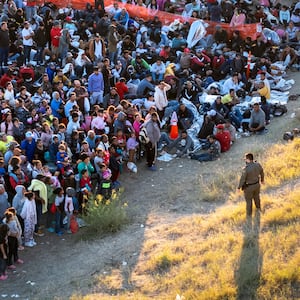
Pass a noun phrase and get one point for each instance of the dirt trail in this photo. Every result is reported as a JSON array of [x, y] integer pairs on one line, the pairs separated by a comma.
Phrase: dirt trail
[[61, 266]]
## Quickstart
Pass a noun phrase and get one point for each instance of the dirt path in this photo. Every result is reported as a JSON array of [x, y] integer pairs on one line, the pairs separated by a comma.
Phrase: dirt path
[[61, 266]]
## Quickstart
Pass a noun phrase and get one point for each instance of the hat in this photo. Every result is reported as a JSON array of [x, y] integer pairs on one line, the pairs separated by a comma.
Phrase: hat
[[186, 50], [28, 135], [69, 54], [211, 113], [68, 19], [138, 55], [220, 126], [55, 23], [97, 35]]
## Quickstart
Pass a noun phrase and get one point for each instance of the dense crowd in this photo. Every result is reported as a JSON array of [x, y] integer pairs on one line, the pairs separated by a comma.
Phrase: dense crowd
[[86, 93]]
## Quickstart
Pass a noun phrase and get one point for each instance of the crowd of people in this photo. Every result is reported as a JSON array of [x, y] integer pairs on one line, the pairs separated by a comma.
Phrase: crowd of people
[[78, 89]]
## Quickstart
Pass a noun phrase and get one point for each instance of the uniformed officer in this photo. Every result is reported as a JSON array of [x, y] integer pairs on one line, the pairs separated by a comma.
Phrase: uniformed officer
[[252, 176]]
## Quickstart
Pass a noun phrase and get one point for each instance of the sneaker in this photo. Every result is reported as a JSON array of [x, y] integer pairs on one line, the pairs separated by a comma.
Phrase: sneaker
[[20, 248], [51, 229], [152, 168], [29, 244], [20, 261], [12, 267], [34, 243], [3, 277]]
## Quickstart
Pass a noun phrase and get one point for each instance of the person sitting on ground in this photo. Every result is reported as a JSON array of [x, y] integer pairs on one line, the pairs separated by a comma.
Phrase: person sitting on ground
[[223, 136], [257, 119], [185, 117], [183, 144], [213, 152]]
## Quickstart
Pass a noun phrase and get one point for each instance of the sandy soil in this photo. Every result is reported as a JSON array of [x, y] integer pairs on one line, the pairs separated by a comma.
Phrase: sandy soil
[[61, 266]]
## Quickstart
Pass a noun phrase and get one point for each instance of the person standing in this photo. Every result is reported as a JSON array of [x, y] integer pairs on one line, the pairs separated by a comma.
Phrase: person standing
[[4, 44], [27, 35], [252, 176], [153, 132], [160, 98], [96, 87]]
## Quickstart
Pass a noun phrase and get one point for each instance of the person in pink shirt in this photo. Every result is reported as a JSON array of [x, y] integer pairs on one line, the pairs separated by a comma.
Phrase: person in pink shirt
[[238, 18]]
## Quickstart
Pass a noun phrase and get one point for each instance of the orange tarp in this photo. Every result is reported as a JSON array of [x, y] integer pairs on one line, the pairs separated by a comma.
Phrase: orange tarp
[[166, 18]]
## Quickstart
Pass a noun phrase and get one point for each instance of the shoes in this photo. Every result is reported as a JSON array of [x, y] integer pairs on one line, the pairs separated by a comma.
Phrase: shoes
[[51, 229], [39, 233], [12, 267], [20, 248], [20, 261], [3, 277], [34, 242], [29, 244], [152, 168]]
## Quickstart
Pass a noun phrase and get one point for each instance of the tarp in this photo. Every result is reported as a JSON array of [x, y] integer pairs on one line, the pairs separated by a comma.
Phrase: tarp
[[166, 18]]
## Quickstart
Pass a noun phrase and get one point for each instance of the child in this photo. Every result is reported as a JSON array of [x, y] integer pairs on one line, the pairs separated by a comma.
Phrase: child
[[19, 228], [114, 166], [62, 159], [69, 207], [28, 213], [3, 250], [59, 204], [105, 184], [85, 182], [12, 240], [131, 146]]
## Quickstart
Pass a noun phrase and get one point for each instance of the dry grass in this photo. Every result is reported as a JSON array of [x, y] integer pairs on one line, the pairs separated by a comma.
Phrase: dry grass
[[223, 255]]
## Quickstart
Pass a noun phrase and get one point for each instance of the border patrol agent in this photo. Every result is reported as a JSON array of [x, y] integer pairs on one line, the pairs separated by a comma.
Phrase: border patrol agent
[[252, 176]]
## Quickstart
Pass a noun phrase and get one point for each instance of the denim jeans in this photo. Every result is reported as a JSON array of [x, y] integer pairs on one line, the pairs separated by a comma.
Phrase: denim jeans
[[202, 157], [27, 50], [58, 221], [3, 56]]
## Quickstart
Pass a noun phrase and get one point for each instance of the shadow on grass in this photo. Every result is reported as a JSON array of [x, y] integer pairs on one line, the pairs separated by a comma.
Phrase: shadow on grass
[[247, 276]]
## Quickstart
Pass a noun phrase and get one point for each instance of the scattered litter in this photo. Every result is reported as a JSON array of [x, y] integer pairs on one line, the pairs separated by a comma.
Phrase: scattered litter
[[180, 166], [63, 239], [152, 185], [293, 115], [134, 254], [160, 169], [124, 263], [30, 282], [104, 272], [142, 226], [4, 295]]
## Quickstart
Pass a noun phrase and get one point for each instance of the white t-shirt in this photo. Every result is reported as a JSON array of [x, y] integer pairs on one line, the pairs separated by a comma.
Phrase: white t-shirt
[[69, 204], [27, 32]]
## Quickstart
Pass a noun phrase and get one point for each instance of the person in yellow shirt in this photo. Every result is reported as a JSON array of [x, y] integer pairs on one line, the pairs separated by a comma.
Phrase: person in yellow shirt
[[263, 90], [4, 142]]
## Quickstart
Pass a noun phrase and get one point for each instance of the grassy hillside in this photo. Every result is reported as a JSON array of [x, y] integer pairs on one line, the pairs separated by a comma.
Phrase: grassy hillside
[[222, 255]]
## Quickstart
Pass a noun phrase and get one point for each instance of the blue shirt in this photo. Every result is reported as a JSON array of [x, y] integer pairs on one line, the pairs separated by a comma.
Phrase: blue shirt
[[55, 106], [29, 148], [96, 83]]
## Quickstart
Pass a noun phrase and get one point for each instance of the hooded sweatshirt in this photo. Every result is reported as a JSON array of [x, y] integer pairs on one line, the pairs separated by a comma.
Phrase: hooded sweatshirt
[[19, 199]]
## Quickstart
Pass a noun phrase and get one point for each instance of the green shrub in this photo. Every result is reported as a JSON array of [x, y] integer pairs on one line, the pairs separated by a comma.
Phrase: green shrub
[[105, 216]]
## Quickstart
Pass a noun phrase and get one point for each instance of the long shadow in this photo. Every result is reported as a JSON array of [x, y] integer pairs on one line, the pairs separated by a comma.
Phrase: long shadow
[[247, 275]]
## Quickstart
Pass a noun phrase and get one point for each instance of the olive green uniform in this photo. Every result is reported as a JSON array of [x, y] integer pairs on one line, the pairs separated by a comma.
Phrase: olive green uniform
[[252, 174]]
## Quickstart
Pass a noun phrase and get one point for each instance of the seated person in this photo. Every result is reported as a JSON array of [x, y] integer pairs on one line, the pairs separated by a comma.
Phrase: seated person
[[257, 119], [185, 117], [213, 152], [183, 144], [223, 136], [219, 107]]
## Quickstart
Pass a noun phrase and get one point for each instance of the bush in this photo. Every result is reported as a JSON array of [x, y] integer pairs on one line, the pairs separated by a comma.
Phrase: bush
[[105, 216]]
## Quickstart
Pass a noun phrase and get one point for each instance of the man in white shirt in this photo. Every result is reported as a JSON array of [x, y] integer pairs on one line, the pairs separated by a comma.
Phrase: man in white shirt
[[27, 36]]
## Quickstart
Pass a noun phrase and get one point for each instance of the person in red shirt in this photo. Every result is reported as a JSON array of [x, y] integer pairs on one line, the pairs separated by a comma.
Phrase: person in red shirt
[[121, 87], [223, 136], [55, 34], [85, 182]]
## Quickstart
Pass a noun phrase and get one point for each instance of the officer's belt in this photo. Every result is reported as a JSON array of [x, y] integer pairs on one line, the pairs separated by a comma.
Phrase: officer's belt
[[252, 183]]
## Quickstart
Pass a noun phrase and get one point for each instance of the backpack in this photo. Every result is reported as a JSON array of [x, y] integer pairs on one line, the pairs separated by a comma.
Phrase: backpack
[[279, 110], [143, 136]]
